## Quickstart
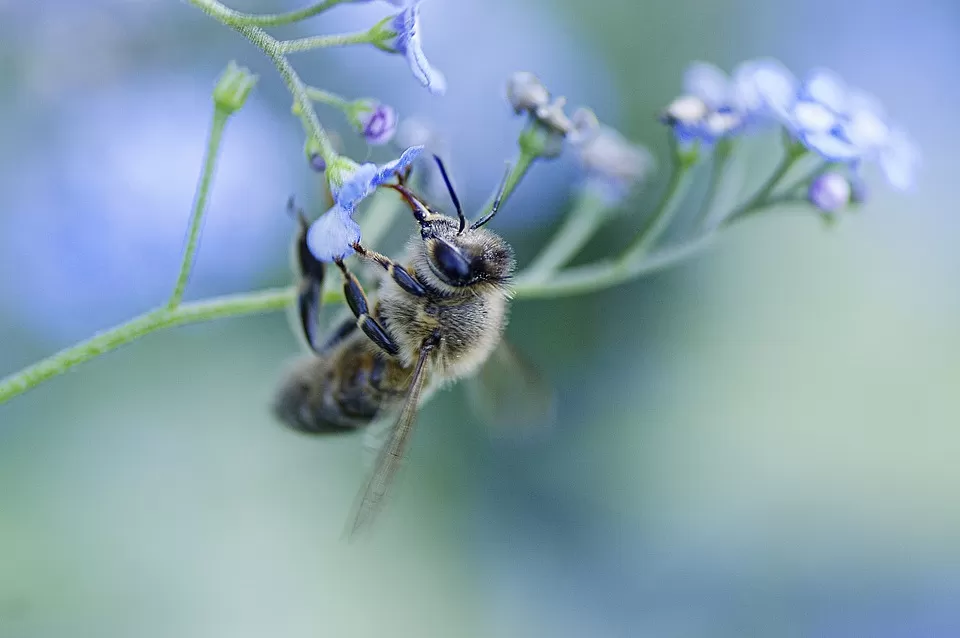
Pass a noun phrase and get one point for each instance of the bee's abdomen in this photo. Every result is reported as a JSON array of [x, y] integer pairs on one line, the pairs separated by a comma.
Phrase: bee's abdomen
[[341, 393]]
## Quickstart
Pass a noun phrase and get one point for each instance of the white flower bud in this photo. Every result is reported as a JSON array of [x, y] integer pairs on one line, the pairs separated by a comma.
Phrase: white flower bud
[[525, 92]]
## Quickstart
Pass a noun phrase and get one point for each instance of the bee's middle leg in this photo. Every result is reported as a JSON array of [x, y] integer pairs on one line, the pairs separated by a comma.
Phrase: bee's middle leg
[[357, 300]]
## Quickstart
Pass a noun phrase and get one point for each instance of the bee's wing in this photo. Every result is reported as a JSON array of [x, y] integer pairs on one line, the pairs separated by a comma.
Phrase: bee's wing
[[391, 454], [510, 394]]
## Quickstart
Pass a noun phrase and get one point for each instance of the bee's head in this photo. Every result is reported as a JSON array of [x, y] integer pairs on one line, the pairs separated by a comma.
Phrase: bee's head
[[449, 259]]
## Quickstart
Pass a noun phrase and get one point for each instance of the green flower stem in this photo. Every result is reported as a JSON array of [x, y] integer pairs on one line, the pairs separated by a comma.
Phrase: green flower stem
[[581, 223], [325, 41], [516, 174], [326, 97], [216, 308], [673, 195], [761, 199], [220, 118], [271, 47], [718, 171], [605, 274], [280, 19]]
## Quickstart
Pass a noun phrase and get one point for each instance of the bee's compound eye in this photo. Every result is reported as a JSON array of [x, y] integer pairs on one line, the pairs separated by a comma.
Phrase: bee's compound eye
[[450, 263]]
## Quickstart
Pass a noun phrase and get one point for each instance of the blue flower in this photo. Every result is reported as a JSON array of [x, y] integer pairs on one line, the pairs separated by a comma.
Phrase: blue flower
[[333, 234], [612, 165], [377, 122], [849, 126], [406, 24], [715, 105]]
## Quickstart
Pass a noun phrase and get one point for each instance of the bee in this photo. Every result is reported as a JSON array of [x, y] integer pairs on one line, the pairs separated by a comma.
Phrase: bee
[[439, 316]]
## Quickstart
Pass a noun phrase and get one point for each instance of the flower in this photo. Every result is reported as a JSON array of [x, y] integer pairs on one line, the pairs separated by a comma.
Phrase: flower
[[333, 234], [612, 164], [714, 105], [830, 192], [377, 121], [846, 125], [526, 92], [406, 26]]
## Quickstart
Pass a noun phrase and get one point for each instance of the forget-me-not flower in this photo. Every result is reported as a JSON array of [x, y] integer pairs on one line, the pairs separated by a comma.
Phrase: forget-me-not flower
[[715, 105], [406, 26], [334, 233], [376, 121], [612, 164], [849, 126]]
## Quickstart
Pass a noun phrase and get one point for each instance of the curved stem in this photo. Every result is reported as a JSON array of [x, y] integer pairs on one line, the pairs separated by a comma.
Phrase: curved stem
[[325, 41], [265, 301], [220, 118], [271, 47], [328, 98], [581, 223], [760, 199], [718, 172], [605, 274], [660, 220], [280, 19]]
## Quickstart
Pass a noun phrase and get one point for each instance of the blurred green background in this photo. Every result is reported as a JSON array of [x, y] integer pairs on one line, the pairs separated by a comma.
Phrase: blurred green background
[[761, 442]]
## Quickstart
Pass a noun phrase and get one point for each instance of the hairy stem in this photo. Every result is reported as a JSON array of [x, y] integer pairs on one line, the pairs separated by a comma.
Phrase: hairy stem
[[324, 41], [271, 47], [581, 223], [280, 19], [326, 97], [220, 118]]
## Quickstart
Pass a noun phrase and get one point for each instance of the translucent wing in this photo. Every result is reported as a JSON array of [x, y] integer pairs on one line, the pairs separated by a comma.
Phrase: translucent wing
[[391, 454], [510, 394]]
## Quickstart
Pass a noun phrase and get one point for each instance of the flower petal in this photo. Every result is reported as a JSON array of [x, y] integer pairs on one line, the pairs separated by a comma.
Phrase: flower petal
[[867, 126], [827, 88], [355, 186], [707, 82], [387, 171], [830, 146], [332, 235], [407, 25], [766, 85], [813, 117], [899, 160]]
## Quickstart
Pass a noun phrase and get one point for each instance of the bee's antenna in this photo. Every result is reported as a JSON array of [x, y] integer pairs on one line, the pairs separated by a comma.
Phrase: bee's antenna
[[453, 193], [496, 202]]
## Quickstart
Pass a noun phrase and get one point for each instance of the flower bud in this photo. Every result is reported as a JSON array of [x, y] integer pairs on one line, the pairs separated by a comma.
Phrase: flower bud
[[377, 121], [830, 192], [526, 92], [233, 87], [613, 165]]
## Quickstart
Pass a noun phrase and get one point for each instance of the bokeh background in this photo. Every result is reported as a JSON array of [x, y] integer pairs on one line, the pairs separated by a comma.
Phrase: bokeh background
[[761, 442]]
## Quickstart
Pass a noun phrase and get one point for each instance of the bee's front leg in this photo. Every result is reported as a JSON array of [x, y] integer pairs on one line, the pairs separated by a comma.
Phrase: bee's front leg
[[403, 277]]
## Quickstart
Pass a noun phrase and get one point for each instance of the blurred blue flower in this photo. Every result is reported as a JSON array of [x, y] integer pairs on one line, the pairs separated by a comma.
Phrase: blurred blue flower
[[849, 126], [377, 122], [612, 165], [715, 105], [830, 192], [407, 42], [333, 234]]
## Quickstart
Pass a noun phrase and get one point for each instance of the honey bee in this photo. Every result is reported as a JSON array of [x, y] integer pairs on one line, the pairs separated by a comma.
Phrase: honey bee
[[439, 316]]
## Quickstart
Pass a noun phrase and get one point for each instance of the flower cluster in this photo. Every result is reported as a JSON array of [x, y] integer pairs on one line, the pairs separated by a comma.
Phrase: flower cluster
[[612, 165], [840, 124]]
